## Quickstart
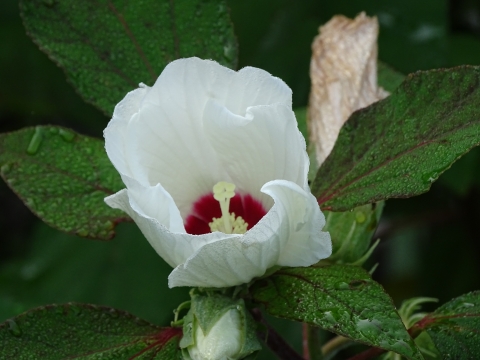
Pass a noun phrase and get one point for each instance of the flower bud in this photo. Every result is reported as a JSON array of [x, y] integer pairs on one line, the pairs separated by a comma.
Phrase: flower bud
[[218, 328]]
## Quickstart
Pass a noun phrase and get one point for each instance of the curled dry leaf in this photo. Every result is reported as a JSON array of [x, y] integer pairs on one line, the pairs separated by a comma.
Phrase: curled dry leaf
[[343, 71]]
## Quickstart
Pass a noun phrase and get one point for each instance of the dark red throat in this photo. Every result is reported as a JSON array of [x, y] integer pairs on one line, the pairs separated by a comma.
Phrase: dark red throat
[[206, 208]]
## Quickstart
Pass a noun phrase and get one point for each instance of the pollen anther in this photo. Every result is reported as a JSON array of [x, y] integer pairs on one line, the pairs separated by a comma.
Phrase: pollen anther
[[228, 223]]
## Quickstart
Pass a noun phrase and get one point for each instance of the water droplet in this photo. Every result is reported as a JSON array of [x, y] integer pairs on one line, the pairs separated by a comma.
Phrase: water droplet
[[30, 203], [75, 310], [113, 313], [35, 142], [59, 310], [360, 217], [329, 318], [229, 52], [342, 286], [14, 328], [67, 135], [369, 328], [5, 169], [402, 347], [82, 233], [357, 284]]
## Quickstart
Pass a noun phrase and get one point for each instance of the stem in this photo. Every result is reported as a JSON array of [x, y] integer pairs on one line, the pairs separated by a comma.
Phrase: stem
[[314, 341], [305, 341], [334, 344], [273, 340]]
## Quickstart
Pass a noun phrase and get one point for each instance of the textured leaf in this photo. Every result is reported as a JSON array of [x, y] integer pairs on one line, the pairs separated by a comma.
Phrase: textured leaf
[[108, 47], [352, 231], [455, 327], [63, 178], [397, 147], [85, 332], [340, 298]]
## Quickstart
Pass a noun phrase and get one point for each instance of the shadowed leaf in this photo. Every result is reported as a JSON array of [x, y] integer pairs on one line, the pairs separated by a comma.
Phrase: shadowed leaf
[[85, 332], [455, 327]]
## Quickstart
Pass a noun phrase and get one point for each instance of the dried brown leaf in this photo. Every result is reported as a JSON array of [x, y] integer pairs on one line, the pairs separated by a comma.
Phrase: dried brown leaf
[[343, 71]]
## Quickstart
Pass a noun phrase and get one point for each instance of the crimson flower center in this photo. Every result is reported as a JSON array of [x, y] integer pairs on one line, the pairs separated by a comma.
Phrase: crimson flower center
[[207, 213]]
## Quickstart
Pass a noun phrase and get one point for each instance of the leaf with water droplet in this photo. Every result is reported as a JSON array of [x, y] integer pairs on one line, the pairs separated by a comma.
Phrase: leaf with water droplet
[[340, 298], [455, 327], [60, 181], [106, 49], [58, 332], [399, 146]]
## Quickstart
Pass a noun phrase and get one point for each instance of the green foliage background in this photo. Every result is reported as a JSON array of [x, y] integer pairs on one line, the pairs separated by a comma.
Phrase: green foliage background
[[430, 244]]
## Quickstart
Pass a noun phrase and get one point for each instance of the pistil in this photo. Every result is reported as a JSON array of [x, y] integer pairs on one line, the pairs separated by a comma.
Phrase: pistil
[[228, 223]]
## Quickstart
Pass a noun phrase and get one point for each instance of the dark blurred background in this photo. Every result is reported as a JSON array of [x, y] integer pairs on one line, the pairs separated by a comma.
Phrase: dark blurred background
[[430, 244]]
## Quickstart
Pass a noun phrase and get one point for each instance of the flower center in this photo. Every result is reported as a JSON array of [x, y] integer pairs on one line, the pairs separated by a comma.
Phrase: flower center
[[246, 210], [228, 223]]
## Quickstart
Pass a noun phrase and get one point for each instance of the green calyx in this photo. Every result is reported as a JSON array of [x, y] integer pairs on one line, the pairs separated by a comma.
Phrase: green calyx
[[207, 314]]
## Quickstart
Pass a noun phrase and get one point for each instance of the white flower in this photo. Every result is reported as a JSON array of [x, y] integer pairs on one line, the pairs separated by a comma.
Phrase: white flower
[[203, 128]]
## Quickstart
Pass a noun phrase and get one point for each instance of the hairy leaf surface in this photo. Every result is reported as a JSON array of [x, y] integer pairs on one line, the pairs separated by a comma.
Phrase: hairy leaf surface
[[399, 146], [63, 178], [340, 298], [108, 47]]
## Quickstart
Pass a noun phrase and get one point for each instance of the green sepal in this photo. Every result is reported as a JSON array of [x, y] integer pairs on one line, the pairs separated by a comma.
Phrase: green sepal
[[188, 338], [352, 231]]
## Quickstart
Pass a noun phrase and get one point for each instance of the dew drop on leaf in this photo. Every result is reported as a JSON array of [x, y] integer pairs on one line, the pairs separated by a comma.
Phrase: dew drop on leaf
[[35, 142], [13, 328], [342, 286], [66, 135], [360, 217], [5, 169]]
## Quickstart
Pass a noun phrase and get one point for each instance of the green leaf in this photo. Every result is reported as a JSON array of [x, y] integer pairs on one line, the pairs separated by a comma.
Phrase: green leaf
[[455, 327], [388, 78], [397, 147], [340, 298], [83, 331], [352, 231], [63, 178], [108, 47]]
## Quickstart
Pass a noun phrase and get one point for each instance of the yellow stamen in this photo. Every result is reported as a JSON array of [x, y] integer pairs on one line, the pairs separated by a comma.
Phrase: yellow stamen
[[228, 223]]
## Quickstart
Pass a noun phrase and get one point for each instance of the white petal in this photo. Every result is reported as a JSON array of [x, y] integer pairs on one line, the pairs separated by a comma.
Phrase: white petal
[[191, 82], [116, 131], [302, 221], [166, 141], [164, 148], [262, 146], [157, 216], [288, 235]]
